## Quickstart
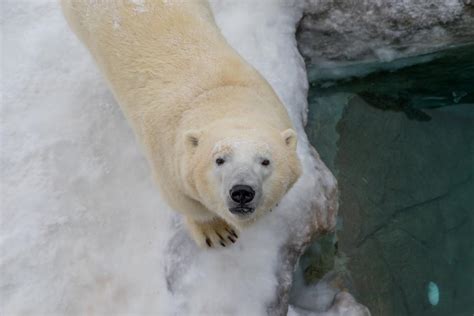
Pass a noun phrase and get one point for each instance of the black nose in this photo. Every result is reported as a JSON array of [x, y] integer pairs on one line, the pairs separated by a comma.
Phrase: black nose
[[242, 193]]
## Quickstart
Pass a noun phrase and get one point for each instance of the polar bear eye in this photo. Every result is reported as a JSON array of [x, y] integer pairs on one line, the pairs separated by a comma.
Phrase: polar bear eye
[[265, 162], [220, 161]]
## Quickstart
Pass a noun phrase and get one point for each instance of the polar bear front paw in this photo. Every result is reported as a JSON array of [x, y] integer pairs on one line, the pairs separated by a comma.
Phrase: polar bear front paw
[[211, 234]]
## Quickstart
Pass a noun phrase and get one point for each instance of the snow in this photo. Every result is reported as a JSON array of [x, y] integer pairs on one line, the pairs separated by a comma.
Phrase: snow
[[83, 229]]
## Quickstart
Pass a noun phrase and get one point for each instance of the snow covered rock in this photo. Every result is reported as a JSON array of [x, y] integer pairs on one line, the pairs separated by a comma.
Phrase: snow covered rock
[[341, 31]]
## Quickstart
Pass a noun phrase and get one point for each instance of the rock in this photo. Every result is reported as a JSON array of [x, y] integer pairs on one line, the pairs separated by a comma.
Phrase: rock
[[351, 31]]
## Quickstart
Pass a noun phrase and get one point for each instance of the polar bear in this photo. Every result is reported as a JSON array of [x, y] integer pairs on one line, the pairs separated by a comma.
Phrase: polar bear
[[220, 143]]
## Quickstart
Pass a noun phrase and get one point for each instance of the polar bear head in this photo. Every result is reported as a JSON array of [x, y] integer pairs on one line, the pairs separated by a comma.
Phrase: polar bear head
[[239, 174]]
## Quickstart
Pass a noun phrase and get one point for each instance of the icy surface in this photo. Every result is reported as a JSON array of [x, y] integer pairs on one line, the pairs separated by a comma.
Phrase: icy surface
[[83, 229], [343, 305]]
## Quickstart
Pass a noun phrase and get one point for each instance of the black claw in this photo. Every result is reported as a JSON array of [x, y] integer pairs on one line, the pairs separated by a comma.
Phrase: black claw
[[220, 237], [222, 244], [231, 231], [231, 239], [208, 242]]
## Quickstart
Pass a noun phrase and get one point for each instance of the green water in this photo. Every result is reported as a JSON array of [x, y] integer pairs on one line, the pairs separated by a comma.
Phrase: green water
[[401, 144]]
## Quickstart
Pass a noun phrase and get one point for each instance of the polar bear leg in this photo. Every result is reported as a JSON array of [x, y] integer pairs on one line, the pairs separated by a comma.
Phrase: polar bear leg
[[213, 233]]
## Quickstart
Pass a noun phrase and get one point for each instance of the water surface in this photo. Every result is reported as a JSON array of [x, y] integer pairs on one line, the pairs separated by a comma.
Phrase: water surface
[[401, 144]]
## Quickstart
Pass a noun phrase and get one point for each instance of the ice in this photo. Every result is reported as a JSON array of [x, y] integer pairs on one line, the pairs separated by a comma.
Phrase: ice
[[344, 304], [83, 229]]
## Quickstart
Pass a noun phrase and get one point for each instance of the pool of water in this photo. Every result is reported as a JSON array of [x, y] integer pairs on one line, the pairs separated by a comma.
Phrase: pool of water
[[401, 144]]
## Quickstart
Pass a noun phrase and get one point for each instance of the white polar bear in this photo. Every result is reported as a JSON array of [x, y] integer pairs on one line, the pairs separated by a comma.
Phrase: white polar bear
[[219, 141]]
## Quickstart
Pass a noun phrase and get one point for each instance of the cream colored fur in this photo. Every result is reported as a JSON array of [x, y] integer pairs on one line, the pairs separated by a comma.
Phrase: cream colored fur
[[183, 89]]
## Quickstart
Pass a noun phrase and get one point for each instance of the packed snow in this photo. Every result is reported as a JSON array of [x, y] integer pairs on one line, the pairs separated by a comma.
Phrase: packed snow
[[83, 228]]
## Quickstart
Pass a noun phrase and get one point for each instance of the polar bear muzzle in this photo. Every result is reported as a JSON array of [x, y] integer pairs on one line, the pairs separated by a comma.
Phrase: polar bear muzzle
[[242, 195]]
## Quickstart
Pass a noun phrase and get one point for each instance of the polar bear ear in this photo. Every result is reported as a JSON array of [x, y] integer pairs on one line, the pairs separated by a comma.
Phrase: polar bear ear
[[289, 136], [191, 138]]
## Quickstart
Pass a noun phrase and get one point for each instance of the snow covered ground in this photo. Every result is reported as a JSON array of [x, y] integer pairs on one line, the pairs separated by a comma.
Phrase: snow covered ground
[[79, 223], [83, 229]]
